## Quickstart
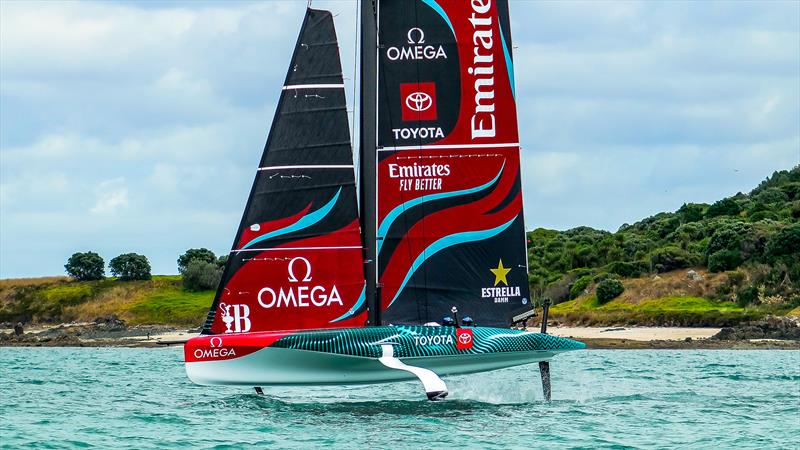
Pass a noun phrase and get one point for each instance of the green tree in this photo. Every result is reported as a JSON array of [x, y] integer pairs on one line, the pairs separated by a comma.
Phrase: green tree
[[608, 290], [200, 275], [202, 254], [85, 266], [222, 260], [130, 266]]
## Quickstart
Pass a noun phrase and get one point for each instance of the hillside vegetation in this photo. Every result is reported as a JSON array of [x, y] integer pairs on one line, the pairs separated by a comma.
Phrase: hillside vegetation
[[744, 252], [161, 300]]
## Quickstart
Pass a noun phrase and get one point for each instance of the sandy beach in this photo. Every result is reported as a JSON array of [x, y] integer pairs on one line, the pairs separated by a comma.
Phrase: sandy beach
[[634, 333]]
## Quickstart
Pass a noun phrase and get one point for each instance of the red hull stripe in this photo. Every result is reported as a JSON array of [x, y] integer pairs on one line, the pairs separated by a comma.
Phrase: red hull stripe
[[227, 346]]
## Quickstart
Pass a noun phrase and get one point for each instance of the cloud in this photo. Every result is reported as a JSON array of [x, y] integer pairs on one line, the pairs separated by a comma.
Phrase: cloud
[[137, 126], [111, 195]]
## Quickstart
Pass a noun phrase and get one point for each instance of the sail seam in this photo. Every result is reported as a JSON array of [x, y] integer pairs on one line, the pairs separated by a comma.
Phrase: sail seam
[[293, 248], [317, 166], [313, 86]]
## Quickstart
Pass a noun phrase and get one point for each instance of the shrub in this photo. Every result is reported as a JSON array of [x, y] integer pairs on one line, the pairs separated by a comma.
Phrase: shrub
[[724, 260], [608, 290], [579, 286], [222, 260], [728, 236], [761, 215], [85, 266], [628, 269], [670, 258], [785, 242], [130, 266], [202, 254], [691, 212], [724, 207], [792, 190], [201, 275], [747, 295], [771, 195]]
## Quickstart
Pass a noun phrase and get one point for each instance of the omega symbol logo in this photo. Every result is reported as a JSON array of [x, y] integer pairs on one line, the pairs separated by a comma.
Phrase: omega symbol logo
[[419, 101], [215, 342], [421, 34], [292, 276]]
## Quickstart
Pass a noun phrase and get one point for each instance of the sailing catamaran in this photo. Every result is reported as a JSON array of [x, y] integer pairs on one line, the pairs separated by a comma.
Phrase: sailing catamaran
[[321, 289]]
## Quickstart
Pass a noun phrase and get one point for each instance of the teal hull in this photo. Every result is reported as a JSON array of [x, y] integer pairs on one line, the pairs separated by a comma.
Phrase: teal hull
[[350, 356]]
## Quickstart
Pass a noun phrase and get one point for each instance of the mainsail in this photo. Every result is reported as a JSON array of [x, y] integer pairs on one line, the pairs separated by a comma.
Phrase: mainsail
[[296, 262], [449, 204]]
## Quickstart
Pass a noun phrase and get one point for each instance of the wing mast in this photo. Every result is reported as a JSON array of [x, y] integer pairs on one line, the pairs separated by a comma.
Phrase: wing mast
[[368, 154]]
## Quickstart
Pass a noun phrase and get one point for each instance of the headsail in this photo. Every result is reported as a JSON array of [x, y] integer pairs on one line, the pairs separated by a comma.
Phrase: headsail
[[450, 220], [297, 262]]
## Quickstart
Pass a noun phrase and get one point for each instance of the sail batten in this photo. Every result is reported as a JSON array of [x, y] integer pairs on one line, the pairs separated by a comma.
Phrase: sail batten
[[296, 262]]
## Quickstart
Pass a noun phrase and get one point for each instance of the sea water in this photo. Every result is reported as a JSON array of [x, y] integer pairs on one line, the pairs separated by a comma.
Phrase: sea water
[[141, 398]]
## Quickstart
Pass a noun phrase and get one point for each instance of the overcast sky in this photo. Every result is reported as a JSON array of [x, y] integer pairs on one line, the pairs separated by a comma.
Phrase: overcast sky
[[128, 127]]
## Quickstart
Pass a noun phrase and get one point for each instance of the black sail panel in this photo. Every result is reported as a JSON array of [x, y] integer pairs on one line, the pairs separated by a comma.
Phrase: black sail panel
[[296, 262], [450, 219]]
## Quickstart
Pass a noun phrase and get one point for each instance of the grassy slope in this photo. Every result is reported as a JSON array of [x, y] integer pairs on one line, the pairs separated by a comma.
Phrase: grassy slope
[[162, 300], [669, 299]]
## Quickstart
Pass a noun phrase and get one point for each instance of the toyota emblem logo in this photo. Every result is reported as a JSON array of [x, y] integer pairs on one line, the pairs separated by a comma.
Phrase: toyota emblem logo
[[464, 338], [419, 101]]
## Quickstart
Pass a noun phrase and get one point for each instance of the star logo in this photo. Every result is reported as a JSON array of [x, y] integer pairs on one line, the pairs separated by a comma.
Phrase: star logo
[[500, 274]]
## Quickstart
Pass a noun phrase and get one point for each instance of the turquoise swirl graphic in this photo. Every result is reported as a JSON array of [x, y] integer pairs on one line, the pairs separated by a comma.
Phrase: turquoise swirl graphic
[[403, 207], [304, 222], [351, 311], [436, 7], [509, 64], [445, 242]]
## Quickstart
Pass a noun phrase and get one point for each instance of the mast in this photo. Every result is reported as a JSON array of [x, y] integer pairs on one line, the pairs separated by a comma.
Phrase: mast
[[368, 154]]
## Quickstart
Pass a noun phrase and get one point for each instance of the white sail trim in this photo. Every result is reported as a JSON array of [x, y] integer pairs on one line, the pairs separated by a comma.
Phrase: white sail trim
[[313, 86], [293, 248], [339, 166], [447, 146]]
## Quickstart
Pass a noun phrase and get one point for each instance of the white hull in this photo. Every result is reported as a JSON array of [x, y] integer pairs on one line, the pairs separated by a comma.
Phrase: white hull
[[280, 366]]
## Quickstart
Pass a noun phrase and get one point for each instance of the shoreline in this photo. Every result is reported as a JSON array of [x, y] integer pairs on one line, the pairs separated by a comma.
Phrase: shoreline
[[621, 338]]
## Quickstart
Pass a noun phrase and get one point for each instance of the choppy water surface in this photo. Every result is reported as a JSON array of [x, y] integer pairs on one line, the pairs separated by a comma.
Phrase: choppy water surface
[[140, 398]]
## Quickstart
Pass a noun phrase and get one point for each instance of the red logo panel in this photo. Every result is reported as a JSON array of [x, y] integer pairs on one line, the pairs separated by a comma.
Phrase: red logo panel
[[463, 338], [418, 101]]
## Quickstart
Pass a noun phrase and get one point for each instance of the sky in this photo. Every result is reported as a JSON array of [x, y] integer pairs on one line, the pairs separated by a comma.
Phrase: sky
[[137, 127]]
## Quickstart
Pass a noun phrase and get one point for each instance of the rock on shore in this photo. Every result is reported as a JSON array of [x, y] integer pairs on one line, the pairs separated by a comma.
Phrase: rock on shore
[[783, 328], [103, 331]]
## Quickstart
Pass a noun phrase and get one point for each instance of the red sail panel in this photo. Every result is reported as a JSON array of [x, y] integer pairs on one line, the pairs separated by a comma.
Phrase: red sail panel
[[451, 227], [297, 260]]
